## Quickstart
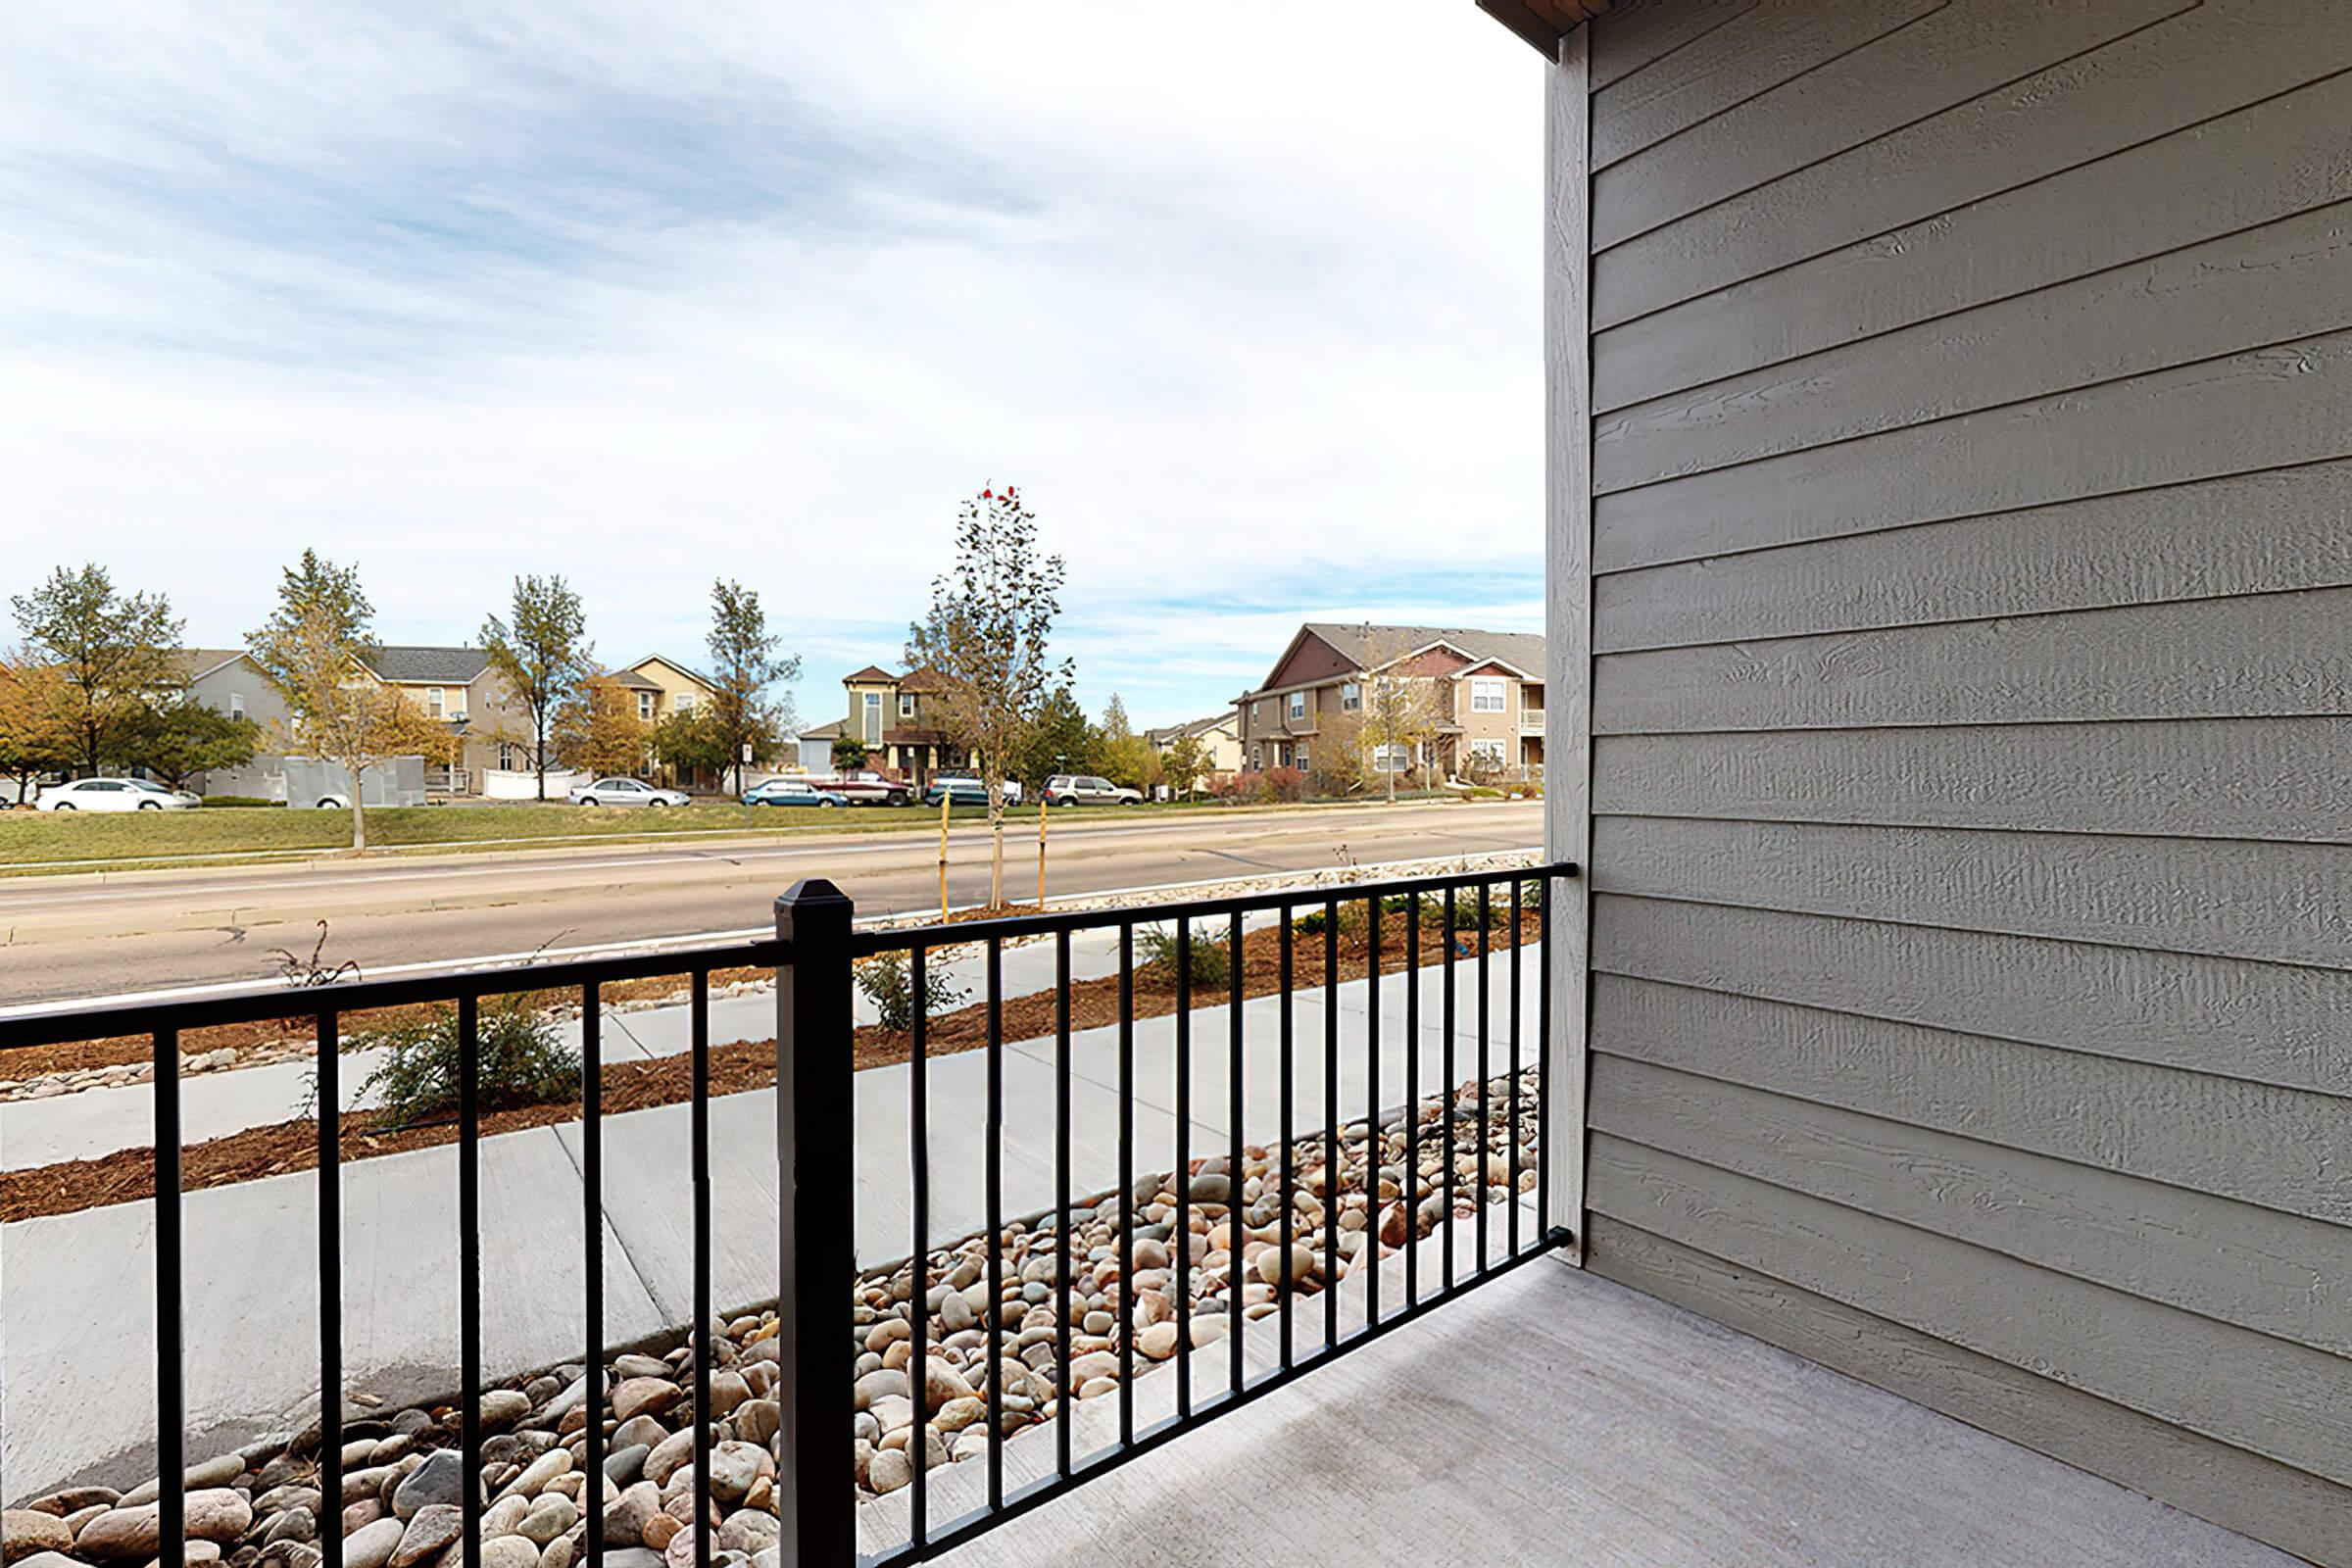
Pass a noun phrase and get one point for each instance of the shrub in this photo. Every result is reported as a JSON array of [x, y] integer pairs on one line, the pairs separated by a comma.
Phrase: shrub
[[888, 981], [238, 800], [522, 1058], [1210, 967]]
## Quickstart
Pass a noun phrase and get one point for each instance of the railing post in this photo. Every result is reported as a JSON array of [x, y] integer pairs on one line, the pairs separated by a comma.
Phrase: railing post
[[816, 1249]]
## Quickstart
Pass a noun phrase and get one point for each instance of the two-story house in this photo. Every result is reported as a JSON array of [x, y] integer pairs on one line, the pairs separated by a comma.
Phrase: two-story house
[[1477, 698], [1219, 737], [897, 718]]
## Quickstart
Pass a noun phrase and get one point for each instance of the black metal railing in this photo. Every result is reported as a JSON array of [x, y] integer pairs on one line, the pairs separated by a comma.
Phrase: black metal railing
[[813, 957]]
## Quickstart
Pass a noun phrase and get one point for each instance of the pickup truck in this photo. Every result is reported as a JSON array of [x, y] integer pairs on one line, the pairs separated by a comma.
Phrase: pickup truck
[[865, 788]]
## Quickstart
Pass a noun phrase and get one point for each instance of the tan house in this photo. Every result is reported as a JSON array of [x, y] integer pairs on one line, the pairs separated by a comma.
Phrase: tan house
[[897, 718], [1219, 737], [1484, 700]]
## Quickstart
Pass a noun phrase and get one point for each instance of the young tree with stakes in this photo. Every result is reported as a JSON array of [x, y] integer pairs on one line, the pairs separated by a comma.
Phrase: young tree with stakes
[[113, 652], [1400, 712], [745, 663], [314, 648], [542, 653], [986, 634]]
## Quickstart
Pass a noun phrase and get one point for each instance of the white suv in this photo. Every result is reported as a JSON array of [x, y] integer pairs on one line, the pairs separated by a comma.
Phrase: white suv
[[1086, 789]]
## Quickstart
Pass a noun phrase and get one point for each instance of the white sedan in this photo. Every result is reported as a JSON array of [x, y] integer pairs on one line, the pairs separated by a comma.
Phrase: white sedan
[[625, 792], [115, 795]]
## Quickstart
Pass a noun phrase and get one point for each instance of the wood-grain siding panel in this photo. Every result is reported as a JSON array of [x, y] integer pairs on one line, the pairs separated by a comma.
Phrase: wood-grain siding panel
[[2285, 1401], [2285, 281], [2271, 903], [1777, 42], [2275, 1023], [2212, 60], [1953, 54], [2238, 1262], [2283, 779], [2260, 1497], [2160, 1124], [2267, 408], [2279, 530], [2266, 162]]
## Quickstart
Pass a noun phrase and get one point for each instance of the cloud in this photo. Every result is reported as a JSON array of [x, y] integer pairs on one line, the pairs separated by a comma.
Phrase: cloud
[[1247, 304]]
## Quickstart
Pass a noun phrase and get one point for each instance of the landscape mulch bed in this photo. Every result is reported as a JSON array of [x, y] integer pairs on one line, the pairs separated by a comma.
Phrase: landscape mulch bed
[[128, 1175]]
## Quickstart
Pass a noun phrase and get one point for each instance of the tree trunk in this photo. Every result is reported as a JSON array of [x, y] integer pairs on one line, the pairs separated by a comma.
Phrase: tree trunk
[[996, 828], [359, 815], [539, 754]]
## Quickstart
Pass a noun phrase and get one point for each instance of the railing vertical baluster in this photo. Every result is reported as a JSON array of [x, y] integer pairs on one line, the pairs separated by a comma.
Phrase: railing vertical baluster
[[1518, 940], [1446, 1050], [1235, 1212], [1126, 1183], [1486, 947], [1066, 1413], [995, 1250], [1180, 1236], [171, 1399], [698, 1122], [469, 1279], [592, 1263], [1544, 1063], [918, 1159], [1412, 1103], [1373, 1148], [327, 1064], [815, 1225], [1290, 1164], [1331, 1126]]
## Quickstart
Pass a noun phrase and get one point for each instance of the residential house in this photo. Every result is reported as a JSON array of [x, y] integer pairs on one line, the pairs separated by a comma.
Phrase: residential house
[[897, 718], [1484, 697], [1219, 737], [228, 682]]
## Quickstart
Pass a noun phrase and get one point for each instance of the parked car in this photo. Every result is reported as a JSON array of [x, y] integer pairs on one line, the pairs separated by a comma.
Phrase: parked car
[[967, 790], [1086, 789], [866, 788], [115, 795], [625, 792], [791, 792]]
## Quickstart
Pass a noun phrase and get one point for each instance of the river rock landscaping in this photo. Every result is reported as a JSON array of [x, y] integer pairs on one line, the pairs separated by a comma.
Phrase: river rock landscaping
[[260, 1507]]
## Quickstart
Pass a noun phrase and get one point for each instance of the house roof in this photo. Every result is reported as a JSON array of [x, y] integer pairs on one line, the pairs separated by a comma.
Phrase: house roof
[[1169, 734], [688, 670], [197, 662], [870, 675], [632, 679], [924, 678], [1544, 22], [823, 732], [1371, 646], [409, 662]]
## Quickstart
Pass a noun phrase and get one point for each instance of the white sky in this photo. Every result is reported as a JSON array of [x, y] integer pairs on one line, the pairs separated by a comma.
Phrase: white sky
[[1243, 294]]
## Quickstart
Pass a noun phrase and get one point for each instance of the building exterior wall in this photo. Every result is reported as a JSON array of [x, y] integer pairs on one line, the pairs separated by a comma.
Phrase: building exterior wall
[[240, 687], [1952, 449]]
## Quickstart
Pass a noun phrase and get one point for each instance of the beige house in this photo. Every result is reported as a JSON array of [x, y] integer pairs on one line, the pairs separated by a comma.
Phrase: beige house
[[897, 718], [1219, 737], [1484, 701]]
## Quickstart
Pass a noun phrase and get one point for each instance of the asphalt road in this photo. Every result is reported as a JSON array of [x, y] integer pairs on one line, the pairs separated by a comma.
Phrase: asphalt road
[[73, 937]]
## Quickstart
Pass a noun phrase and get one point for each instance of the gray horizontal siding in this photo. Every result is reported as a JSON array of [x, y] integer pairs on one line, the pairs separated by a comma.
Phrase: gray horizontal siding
[[2269, 1396], [2288, 529], [2160, 1124], [2287, 780], [1971, 995], [2242, 1265], [2255, 166], [2211, 59], [2228, 1485], [1641, 33], [2275, 1023]]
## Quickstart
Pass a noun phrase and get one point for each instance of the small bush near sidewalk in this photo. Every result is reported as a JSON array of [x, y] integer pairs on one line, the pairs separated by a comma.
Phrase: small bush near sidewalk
[[888, 981], [522, 1060], [1211, 964], [238, 800]]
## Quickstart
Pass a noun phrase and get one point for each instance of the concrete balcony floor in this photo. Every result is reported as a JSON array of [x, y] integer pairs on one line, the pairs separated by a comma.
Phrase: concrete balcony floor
[[1551, 1417]]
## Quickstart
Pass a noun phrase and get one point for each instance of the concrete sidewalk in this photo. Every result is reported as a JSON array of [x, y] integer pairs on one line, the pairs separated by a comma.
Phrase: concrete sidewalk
[[75, 1353]]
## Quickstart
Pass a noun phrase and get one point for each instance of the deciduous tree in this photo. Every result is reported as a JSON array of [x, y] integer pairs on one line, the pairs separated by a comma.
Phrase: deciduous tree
[[179, 739], [598, 730], [36, 722], [747, 662], [1184, 764], [541, 652], [315, 649], [1400, 712], [987, 635], [115, 652]]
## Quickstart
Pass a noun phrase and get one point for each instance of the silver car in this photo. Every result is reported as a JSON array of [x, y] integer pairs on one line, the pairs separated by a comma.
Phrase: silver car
[[625, 792], [115, 795]]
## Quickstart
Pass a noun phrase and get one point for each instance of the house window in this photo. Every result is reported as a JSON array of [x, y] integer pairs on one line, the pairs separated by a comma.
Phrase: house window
[[1297, 704], [906, 705], [1257, 710], [685, 702], [1351, 696], [645, 708], [434, 703], [1392, 758], [237, 705], [1486, 694], [1303, 762], [873, 716], [1490, 752], [1257, 756], [505, 757]]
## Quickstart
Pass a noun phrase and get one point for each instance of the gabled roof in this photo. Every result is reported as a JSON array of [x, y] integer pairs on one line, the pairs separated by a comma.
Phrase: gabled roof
[[631, 679], [687, 670], [197, 662], [1374, 646], [411, 663], [823, 732], [870, 675], [924, 678], [1168, 735]]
